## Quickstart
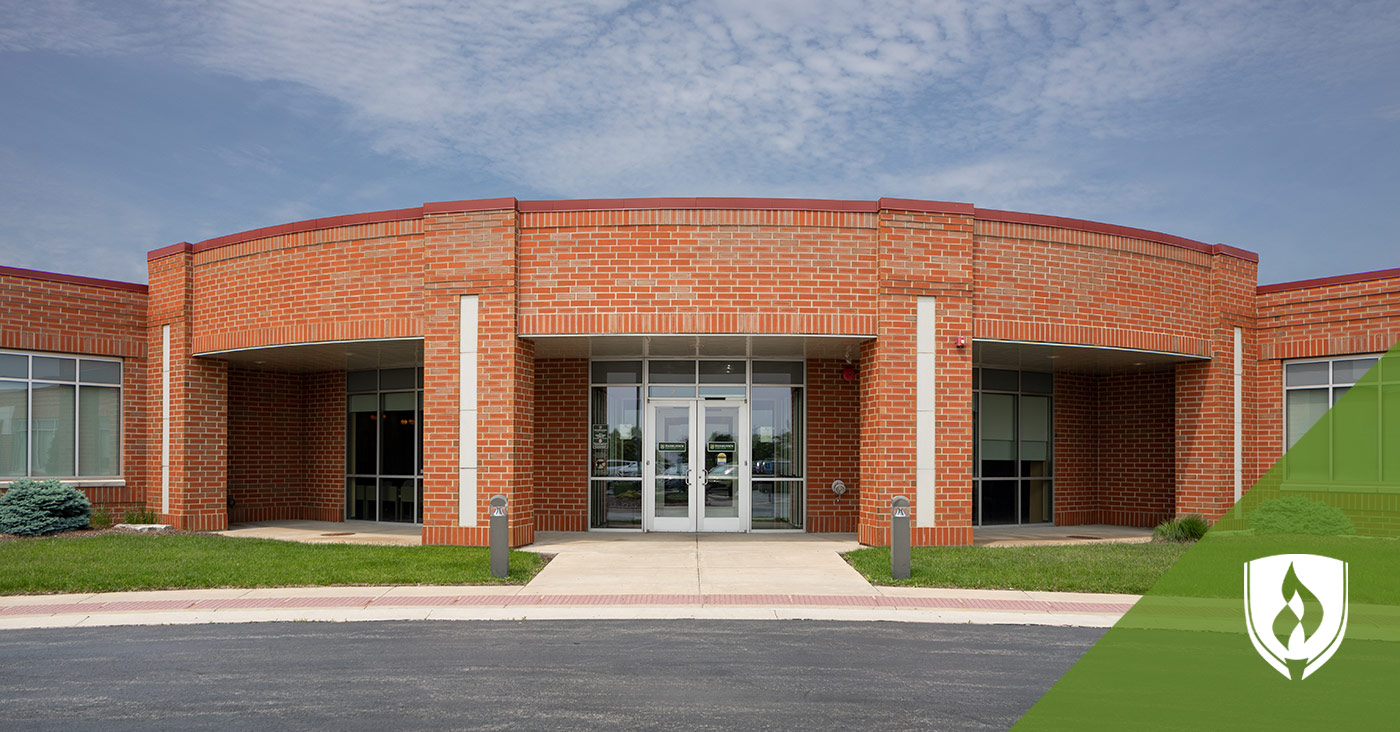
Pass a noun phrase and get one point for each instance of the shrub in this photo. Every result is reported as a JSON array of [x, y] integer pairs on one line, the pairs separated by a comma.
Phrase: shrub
[[1188, 527], [1299, 515], [35, 507], [101, 518], [140, 516]]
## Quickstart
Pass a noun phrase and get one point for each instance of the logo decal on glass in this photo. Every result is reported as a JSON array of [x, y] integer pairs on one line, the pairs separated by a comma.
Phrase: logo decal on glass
[[1295, 610]]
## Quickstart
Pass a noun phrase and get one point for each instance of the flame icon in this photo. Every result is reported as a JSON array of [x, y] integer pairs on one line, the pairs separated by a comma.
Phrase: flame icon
[[1300, 616], [1296, 627]]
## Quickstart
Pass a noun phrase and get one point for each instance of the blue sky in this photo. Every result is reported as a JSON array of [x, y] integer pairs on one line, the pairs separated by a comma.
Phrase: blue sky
[[1272, 126]]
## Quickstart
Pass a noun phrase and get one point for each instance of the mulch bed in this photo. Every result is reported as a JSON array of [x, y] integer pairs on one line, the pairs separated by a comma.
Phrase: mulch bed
[[84, 533]]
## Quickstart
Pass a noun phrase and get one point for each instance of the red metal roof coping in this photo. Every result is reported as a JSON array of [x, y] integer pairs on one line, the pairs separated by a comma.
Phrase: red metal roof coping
[[1346, 279], [31, 274], [684, 204], [1016, 217], [183, 247], [479, 204], [700, 203], [910, 204], [296, 227]]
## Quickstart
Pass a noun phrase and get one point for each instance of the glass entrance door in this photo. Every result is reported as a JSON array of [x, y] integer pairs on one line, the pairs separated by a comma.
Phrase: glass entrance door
[[695, 472]]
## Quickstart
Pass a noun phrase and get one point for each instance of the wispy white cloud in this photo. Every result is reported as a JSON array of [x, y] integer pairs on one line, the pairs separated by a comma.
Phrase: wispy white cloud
[[721, 96]]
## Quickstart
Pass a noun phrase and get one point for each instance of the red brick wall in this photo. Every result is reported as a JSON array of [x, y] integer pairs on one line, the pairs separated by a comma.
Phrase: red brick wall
[[921, 253], [1205, 394], [79, 316], [658, 271], [286, 446], [342, 283], [1076, 450], [833, 438], [561, 440], [1136, 451], [466, 253], [1042, 283], [323, 446], [264, 445], [1319, 320], [1343, 319]]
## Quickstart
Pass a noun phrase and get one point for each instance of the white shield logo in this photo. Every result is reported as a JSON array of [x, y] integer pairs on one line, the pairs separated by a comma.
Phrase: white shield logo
[[1295, 610]]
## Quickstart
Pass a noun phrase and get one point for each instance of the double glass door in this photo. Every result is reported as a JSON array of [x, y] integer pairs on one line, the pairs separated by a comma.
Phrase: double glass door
[[695, 466]]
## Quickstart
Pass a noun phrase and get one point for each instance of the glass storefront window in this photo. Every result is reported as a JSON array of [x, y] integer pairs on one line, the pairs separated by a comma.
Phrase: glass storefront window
[[615, 445], [1012, 447], [384, 442], [60, 416]]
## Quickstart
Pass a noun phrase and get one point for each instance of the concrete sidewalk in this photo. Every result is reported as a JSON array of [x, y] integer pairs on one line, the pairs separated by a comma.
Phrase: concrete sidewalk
[[600, 575], [505, 602]]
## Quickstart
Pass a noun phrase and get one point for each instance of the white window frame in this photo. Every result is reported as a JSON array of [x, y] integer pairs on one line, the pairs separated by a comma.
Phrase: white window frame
[[1331, 386], [77, 383]]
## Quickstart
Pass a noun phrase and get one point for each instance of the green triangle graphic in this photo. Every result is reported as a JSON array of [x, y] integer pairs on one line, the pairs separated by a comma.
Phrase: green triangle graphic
[[1183, 657]]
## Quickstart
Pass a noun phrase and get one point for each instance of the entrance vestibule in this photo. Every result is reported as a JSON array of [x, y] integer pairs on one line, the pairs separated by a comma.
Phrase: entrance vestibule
[[694, 445]]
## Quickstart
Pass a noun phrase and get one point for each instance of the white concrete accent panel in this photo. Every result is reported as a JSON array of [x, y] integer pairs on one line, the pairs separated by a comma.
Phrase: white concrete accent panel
[[466, 429], [1239, 413], [926, 402], [165, 419]]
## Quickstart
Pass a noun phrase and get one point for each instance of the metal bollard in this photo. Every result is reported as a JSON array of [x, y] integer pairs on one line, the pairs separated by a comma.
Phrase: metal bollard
[[899, 537], [500, 537]]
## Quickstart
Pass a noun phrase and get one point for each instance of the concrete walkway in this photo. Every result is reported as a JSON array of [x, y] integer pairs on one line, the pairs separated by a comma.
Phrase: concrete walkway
[[330, 532], [603, 576], [696, 564]]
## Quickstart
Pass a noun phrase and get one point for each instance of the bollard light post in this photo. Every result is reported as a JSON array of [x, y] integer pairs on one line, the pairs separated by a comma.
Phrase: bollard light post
[[899, 537], [500, 537]]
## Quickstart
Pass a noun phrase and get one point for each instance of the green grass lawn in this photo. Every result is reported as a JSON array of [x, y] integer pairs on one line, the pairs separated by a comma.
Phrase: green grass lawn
[[113, 562], [1126, 568]]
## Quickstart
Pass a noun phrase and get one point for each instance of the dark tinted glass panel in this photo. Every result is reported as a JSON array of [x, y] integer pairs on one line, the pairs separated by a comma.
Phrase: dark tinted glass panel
[[1350, 372], [997, 428], [977, 378], [362, 425], [396, 499], [398, 426], [14, 366], [1306, 374], [398, 378], [999, 380], [1035, 501], [722, 372], [671, 372], [101, 372], [617, 372], [1037, 383], [362, 380], [778, 372], [616, 504], [361, 494], [56, 369], [998, 502]]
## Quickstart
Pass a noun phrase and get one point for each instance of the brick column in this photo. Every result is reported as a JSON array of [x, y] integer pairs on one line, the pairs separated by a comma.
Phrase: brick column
[[924, 250], [470, 249], [189, 423], [1205, 394]]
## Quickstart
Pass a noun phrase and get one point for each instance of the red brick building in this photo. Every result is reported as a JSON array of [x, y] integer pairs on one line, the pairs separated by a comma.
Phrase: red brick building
[[679, 365]]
